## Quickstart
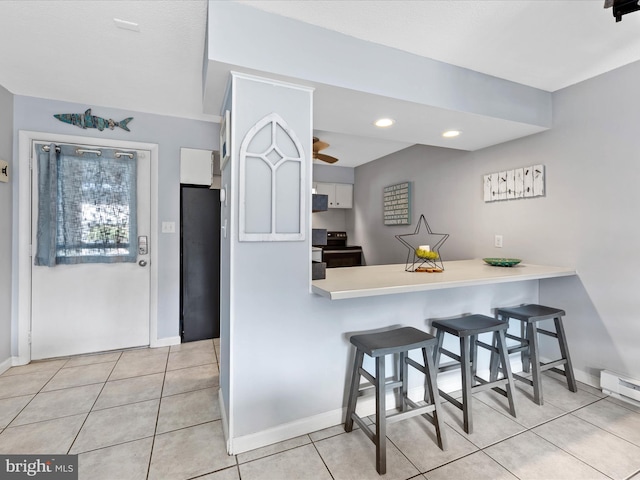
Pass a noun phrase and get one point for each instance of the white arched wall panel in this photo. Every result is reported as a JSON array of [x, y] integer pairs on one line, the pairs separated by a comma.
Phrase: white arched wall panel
[[272, 169]]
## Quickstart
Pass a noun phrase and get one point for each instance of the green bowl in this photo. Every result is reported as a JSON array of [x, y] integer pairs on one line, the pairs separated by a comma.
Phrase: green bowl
[[502, 262]]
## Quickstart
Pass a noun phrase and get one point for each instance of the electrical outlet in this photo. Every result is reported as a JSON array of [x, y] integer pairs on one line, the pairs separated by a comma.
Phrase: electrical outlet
[[498, 241]]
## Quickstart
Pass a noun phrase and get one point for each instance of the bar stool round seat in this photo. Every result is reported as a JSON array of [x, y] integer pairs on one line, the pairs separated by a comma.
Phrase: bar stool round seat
[[377, 345], [528, 345], [467, 329]]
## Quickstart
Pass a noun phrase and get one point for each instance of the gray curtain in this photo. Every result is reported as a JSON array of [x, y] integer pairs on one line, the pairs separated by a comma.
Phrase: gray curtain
[[86, 207]]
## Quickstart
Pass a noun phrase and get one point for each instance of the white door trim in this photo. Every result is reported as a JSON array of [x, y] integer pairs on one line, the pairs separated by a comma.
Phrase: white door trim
[[25, 139]]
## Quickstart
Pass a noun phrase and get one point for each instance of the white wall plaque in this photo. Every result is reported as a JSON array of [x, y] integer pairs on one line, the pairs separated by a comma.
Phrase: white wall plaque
[[523, 182]]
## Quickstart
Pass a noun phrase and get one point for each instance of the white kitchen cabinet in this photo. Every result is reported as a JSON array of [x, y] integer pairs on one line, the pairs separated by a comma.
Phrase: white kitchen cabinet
[[199, 167], [340, 194]]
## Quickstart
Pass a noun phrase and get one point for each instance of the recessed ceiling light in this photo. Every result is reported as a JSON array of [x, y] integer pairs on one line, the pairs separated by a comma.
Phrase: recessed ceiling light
[[451, 133], [384, 122], [135, 27]]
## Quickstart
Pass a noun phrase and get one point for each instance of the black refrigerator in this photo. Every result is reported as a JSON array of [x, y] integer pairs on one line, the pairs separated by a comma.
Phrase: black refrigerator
[[199, 263]]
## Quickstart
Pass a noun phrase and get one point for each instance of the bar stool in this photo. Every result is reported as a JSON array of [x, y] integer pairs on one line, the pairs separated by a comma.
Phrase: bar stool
[[467, 329], [377, 345], [528, 345]]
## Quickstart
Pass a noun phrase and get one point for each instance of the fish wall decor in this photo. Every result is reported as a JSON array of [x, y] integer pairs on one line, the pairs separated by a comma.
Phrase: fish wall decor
[[86, 120]]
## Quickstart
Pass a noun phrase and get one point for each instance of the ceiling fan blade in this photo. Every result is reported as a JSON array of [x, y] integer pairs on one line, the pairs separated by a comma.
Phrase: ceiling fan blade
[[608, 3], [319, 145], [325, 158]]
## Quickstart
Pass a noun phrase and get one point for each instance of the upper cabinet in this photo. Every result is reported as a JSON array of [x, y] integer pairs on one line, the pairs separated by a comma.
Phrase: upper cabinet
[[199, 167], [340, 194]]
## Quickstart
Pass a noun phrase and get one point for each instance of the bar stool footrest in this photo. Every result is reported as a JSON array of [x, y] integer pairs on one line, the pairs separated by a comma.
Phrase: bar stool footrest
[[451, 399], [488, 385], [419, 410]]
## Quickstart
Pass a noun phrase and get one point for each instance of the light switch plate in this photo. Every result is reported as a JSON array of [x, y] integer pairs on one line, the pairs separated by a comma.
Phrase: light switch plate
[[4, 171], [168, 227]]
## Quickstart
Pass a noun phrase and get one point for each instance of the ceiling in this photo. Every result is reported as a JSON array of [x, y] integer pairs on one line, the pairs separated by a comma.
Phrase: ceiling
[[74, 51]]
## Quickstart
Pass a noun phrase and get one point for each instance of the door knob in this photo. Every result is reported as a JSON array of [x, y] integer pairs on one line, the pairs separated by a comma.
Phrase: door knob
[[142, 263]]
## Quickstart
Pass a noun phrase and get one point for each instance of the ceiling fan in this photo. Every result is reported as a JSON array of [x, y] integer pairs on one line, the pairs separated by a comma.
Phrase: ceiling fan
[[320, 145]]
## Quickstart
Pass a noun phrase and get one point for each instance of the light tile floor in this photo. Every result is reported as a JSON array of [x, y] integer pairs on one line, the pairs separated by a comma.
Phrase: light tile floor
[[154, 414]]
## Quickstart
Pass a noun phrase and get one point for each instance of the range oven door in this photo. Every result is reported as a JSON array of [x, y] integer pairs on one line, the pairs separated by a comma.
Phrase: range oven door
[[342, 258]]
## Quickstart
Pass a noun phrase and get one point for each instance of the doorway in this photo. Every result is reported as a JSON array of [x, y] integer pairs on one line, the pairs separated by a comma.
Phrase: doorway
[[199, 263], [26, 140], [90, 275]]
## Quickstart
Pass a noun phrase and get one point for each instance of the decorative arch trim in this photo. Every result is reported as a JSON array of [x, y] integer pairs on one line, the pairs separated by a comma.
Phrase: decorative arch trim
[[272, 171]]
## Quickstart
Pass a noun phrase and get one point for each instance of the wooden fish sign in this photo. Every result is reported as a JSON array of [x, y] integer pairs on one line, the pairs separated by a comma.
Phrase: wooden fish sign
[[86, 120]]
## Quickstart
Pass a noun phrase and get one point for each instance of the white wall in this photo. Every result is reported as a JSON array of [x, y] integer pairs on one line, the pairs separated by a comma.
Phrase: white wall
[[6, 149], [170, 133], [588, 218]]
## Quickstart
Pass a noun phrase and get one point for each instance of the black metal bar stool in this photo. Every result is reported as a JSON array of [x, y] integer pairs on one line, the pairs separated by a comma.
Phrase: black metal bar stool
[[528, 345], [377, 345], [467, 329]]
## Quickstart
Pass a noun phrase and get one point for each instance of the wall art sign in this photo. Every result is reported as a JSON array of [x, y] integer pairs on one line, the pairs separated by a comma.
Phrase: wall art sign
[[397, 204], [513, 184], [86, 120]]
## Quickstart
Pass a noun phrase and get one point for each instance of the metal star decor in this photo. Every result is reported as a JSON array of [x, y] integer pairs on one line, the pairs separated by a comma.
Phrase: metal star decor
[[426, 237]]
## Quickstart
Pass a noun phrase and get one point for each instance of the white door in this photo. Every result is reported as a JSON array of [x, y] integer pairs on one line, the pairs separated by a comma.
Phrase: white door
[[92, 307]]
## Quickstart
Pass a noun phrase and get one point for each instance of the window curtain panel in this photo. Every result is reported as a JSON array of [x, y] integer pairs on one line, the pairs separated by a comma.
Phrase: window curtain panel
[[86, 207]]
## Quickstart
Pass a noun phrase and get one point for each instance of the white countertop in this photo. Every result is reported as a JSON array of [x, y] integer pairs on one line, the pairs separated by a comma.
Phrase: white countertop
[[356, 282]]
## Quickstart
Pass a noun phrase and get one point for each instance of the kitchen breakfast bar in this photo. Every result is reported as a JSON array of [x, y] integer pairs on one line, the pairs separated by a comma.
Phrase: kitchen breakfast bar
[[355, 282], [459, 301]]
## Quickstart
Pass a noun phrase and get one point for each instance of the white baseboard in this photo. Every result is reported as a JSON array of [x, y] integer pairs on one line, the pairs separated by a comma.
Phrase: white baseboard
[[6, 364], [225, 421], [165, 342], [584, 377], [285, 431], [447, 382]]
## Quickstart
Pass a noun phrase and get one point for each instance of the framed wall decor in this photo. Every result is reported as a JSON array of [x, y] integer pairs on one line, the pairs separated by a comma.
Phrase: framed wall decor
[[397, 204], [225, 139], [525, 182]]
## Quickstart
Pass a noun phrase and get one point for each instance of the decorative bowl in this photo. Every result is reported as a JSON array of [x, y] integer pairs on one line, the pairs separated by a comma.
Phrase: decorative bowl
[[502, 262]]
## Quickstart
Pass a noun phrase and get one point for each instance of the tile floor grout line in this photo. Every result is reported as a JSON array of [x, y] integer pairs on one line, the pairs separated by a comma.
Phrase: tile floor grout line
[[605, 430], [4, 374], [321, 457], [270, 454], [75, 438], [633, 475], [124, 404], [153, 441], [137, 376], [88, 364], [114, 445], [192, 366], [623, 403], [21, 410], [570, 454], [40, 391], [189, 391], [477, 449], [494, 460], [47, 420], [215, 471], [389, 440]]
